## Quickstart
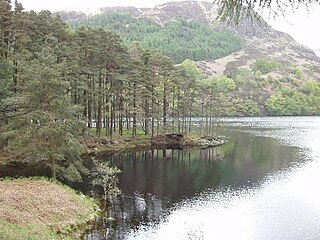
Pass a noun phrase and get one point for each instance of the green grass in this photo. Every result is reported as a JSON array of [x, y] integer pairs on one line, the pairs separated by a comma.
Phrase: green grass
[[14, 232]]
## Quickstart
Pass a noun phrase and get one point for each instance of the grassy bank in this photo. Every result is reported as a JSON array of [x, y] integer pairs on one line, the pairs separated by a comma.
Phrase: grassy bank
[[38, 209]]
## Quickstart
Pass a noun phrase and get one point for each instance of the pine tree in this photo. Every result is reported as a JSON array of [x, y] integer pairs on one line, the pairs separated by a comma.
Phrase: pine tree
[[136, 71], [5, 28], [47, 129]]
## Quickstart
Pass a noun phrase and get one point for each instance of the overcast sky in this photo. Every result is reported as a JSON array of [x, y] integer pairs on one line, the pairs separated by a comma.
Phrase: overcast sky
[[302, 26]]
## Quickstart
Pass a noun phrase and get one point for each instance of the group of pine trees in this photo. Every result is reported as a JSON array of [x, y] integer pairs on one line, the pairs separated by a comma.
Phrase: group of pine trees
[[56, 83]]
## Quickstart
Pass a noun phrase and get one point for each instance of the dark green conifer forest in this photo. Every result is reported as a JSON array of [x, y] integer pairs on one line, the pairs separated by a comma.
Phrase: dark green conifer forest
[[180, 40]]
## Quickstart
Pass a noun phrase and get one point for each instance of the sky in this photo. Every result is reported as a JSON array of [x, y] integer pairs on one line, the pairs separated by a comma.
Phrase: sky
[[303, 25]]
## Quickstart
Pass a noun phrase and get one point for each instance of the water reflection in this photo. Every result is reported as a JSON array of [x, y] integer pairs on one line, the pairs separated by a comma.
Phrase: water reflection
[[284, 205], [169, 173], [157, 183], [23, 169]]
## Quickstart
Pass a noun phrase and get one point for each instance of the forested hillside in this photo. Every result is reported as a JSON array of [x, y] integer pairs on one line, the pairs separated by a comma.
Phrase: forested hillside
[[270, 71], [180, 39], [268, 87]]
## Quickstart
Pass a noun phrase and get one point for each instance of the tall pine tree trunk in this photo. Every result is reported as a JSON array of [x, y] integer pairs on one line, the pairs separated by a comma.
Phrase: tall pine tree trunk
[[134, 124], [165, 108], [147, 117], [89, 103], [153, 112], [121, 116], [99, 107]]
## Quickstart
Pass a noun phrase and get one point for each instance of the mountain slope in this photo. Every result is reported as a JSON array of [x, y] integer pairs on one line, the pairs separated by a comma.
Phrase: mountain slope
[[270, 65], [179, 39], [258, 35]]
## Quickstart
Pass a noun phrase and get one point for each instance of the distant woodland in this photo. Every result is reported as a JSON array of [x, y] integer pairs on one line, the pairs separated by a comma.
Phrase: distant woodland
[[179, 40]]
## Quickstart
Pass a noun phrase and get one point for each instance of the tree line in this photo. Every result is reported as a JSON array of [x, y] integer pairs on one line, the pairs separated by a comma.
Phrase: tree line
[[57, 84]]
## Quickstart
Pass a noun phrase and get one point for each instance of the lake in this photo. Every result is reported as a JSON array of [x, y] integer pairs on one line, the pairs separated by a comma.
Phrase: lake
[[262, 184]]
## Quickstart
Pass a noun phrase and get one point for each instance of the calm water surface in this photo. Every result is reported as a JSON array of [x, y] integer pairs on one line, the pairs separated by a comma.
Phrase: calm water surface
[[262, 184]]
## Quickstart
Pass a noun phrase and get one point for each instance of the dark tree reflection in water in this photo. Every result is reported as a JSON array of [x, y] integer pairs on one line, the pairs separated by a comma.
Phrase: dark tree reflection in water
[[156, 182]]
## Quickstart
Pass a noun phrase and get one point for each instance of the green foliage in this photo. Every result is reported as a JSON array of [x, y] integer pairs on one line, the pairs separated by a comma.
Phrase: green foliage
[[310, 69], [253, 84], [242, 75], [55, 82], [225, 84], [132, 29], [179, 40], [270, 79], [313, 104], [286, 79], [258, 74], [265, 66], [311, 87], [5, 74], [246, 107], [105, 176], [297, 72], [286, 101], [190, 69], [284, 96], [267, 82], [5, 85], [47, 117]]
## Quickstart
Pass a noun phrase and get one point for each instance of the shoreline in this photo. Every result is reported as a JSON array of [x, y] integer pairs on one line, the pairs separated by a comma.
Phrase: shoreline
[[104, 146], [21, 196], [120, 144]]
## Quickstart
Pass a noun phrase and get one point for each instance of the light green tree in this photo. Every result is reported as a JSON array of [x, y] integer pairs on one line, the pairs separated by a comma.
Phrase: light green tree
[[191, 70], [225, 84], [105, 176]]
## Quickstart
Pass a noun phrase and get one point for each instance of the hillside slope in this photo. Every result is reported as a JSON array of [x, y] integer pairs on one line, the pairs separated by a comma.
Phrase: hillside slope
[[267, 65], [260, 39], [179, 38]]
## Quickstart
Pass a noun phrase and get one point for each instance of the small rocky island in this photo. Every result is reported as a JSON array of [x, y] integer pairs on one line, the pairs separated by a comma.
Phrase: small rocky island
[[166, 141], [181, 141]]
